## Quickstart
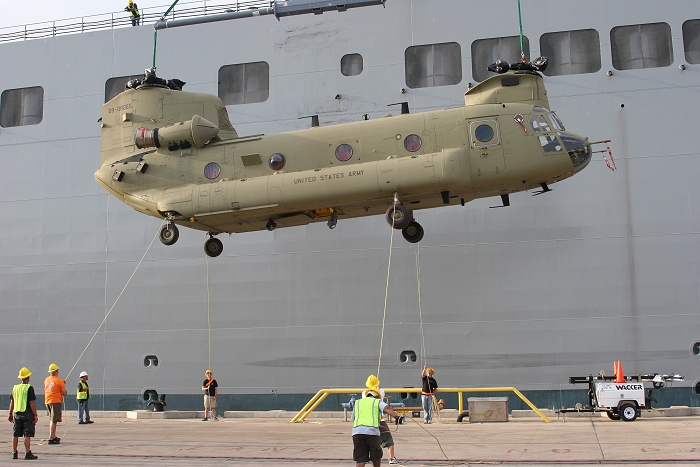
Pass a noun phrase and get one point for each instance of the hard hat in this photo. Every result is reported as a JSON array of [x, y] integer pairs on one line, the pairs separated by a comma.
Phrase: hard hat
[[83, 373], [372, 382], [53, 367], [373, 391], [24, 373], [131, 1], [208, 372]]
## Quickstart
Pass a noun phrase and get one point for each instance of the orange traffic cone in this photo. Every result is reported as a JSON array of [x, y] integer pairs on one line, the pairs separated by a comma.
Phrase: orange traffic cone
[[618, 373]]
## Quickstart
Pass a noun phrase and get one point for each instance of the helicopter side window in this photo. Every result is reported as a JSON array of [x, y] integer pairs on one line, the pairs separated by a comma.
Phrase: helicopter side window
[[484, 133], [277, 161], [412, 143], [544, 125], [212, 170], [550, 143], [343, 152]]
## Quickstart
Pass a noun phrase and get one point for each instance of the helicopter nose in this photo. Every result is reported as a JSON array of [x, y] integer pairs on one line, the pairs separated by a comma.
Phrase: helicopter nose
[[578, 148]]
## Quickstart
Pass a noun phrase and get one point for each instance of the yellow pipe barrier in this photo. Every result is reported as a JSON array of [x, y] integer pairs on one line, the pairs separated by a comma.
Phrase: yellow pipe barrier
[[323, 393]]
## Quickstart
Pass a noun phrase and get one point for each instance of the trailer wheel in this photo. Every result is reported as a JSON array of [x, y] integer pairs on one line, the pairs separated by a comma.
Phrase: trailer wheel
[[628, 412], [613, 415]]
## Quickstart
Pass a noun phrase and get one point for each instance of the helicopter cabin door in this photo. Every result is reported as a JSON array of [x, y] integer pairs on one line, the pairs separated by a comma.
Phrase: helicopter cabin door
[[485, 146]]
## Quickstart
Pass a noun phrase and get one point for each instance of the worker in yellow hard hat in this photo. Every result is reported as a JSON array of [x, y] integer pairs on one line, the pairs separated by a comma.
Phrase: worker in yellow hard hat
[[54, 390], [366, 419], [210, 388], [428, 393], [387, 440], [23, 414], [133, 10]]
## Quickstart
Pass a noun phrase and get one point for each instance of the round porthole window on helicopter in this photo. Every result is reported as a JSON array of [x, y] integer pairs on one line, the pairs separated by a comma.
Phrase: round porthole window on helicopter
[[484, 133], [343, 152], [412, 143], [277, 161], [212, 170]]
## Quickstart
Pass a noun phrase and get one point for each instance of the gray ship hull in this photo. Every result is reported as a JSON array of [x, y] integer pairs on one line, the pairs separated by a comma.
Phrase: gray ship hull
[[603, 268]]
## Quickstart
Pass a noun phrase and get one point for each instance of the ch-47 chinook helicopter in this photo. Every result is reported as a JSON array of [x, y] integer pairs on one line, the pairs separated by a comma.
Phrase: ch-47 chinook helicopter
[[174, 155]]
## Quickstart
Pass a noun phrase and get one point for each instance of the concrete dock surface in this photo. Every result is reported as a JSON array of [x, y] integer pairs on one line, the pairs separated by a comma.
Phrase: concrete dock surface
[[273, 441]]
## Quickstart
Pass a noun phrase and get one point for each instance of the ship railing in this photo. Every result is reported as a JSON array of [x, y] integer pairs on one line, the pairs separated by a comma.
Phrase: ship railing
[[323, 393], [121, 19]]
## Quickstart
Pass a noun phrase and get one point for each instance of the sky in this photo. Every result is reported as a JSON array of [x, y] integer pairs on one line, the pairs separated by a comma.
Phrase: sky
[[20, 12]]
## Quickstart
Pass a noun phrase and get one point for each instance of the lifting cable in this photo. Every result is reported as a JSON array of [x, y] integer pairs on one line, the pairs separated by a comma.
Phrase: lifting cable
[[208, 316], [386, 289], [107, 315]]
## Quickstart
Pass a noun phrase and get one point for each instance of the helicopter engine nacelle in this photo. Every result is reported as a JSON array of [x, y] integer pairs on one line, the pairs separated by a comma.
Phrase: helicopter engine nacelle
[[196, 132]]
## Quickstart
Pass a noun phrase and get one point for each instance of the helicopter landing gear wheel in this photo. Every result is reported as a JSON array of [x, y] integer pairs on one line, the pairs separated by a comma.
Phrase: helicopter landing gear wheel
[[413, 232], [628, 412], [271, 225], [398, 216], [169, 234], [213, 247], [333, 221]]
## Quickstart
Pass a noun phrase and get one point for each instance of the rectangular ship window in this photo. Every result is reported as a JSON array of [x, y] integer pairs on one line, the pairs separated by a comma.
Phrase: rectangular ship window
[[487, 51], [116, 85], [691, 41], [433, 65], [244, 83], [351, 64], [641, 46], [20, 107], [571, 52]]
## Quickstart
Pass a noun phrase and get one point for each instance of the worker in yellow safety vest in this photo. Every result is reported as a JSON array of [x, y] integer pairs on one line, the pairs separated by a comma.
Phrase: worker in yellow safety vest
[[23, 414], [366, 417], [83, 397], [133, 10]]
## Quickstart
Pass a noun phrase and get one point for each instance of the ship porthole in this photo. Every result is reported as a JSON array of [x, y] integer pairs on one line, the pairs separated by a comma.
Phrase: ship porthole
[[408, 356], [696, 388], [150, 361], [695, 349]]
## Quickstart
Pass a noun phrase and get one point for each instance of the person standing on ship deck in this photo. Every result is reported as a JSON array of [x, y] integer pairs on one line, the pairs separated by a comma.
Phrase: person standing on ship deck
[[133, 10]]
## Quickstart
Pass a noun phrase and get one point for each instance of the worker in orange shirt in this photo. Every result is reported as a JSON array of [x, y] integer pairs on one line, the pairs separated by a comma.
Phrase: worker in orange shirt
[[54, 390]]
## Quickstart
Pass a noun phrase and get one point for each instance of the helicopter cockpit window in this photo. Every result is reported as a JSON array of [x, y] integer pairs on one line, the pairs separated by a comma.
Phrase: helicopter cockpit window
[[412, 143], [484, 133], [212, 170], [343, 152], [550, 143], [556, 123], [539, 123], [277, 161]]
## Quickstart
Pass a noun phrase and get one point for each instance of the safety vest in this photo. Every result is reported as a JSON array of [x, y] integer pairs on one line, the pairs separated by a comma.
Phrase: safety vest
[[19, 396], [135, 11], [366, 413], [83, 392]]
